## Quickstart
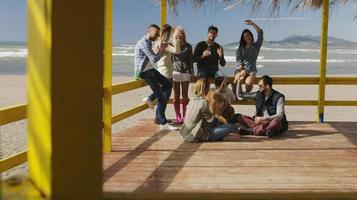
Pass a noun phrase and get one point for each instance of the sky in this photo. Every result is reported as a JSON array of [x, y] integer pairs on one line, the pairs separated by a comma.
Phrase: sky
[[131, 18]]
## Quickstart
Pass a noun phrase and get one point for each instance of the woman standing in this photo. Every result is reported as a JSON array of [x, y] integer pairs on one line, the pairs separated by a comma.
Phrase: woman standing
[[247, 55], [200, 125], [183, 70]]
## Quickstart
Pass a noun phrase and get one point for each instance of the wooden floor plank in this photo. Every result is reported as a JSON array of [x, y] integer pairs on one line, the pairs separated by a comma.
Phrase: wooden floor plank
[[310, 157]]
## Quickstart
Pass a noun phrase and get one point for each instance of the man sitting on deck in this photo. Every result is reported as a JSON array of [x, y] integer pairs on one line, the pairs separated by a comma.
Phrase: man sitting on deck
[[270, 119]]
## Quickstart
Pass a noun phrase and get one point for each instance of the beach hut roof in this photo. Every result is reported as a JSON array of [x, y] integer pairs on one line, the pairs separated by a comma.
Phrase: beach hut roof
[[256, 5]]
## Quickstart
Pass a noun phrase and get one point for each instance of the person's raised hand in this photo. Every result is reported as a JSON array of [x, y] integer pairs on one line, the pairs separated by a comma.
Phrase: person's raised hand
[[249, 22]]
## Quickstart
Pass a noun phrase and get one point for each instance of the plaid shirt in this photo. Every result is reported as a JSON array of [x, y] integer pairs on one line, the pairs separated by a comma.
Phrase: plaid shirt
[[144, 54]]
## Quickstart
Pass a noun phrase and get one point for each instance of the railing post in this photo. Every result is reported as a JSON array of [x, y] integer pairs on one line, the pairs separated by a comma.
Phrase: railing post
[[163, 13], [323, 57], [107, 107], [65, 97]]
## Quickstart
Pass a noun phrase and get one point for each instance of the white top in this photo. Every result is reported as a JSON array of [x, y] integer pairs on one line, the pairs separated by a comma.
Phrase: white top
[[164, 65]]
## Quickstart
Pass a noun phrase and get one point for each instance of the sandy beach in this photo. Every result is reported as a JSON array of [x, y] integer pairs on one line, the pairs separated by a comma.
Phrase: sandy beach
[[13, 91]]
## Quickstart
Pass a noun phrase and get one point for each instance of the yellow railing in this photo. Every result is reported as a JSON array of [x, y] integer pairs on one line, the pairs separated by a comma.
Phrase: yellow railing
[[18, 112], [12, 113]]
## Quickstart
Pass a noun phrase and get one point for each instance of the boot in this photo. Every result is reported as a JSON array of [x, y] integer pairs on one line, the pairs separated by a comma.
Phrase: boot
[[244, 130], [177, 111], [184, 106]]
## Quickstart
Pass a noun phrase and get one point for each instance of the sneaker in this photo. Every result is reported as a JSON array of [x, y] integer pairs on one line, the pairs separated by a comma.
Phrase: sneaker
[[149, 103], [156, 120], [168, 127]]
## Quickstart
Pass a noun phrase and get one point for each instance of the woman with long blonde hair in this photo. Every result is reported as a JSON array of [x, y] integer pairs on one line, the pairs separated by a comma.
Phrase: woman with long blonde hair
[[200, 124], [183, 70]]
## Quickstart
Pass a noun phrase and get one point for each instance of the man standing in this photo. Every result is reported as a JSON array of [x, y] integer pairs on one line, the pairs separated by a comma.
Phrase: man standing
[[207, 54], [161, 86], [270, 118]]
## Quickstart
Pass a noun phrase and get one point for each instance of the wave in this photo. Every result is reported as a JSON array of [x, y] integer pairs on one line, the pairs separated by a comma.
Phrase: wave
[[123, 48], [304, 61], [345, 51], [120, 51], [233, 58], [123, 54], [13, 53]]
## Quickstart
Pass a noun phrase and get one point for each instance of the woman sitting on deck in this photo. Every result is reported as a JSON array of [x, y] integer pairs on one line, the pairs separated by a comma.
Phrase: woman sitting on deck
[[247, 55], [200, 125]]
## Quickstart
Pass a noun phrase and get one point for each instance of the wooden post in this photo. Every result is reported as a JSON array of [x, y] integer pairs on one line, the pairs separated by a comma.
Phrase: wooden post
[[163, 13], [65, 95], [323, 58], [107, 109]]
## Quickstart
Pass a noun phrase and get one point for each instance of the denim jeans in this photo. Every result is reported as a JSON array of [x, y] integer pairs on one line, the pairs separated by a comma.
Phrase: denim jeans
[[152, 97], [219, 132], [161, 88]]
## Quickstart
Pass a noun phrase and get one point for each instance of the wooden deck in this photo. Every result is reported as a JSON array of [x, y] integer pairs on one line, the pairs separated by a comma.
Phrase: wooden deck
[[311, 157]]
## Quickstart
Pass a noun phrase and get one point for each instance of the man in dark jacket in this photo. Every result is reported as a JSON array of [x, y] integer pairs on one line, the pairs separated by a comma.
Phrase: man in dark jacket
[[270, 118], [208, 54]]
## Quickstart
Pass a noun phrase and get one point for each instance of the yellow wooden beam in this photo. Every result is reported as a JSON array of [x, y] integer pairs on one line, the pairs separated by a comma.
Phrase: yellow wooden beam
[[341, 80], [12, 113], [302, 80], [65, 93], [13, 161], [131, 85], [107, 107], [163, 13], [340, 103], [127, 86], [323, 60], [128, 113], [279, 80]]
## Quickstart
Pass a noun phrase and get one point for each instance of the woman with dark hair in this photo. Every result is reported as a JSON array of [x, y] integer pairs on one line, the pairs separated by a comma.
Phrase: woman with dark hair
[[247, 55]]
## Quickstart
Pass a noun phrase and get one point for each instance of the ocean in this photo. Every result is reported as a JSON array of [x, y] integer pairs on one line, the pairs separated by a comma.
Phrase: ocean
[[271, 61]]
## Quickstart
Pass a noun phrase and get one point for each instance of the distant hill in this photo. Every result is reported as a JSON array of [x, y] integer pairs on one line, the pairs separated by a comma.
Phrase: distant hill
[[307, 41], [13, 43]]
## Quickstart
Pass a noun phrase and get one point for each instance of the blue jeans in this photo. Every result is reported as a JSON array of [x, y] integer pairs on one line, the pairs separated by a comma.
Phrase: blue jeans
[[152, 97], [210, 74], [161, 88], [219, 131]]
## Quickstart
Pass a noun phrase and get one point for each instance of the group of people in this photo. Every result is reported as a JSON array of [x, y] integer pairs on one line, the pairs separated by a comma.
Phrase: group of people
[[208, 115]]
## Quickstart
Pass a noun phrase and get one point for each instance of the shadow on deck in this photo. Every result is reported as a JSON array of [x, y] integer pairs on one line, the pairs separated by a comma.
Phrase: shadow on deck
[[311, 157]]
